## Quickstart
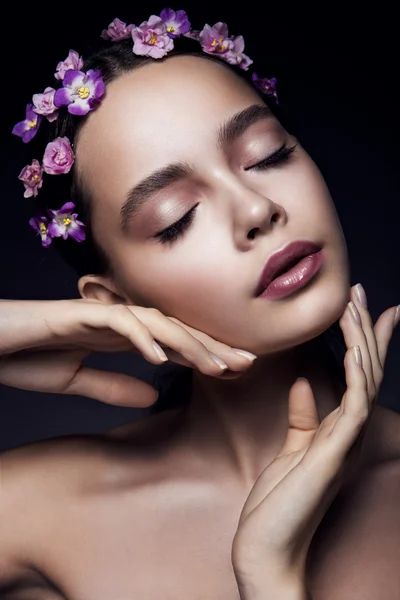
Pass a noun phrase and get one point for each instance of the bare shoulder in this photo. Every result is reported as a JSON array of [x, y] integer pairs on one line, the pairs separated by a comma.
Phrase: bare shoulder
[[35, 480]]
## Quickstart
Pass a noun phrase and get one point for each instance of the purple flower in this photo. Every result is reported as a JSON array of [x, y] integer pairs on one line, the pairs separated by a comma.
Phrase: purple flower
[[151, 38], [214, 40], [268, 86], [81, 92], [28, 128], [58, 157], [31, 177], [234, 54], [117, 30], [177, 23], [44, 104], [40, 225], [65, 224], [73, 61]]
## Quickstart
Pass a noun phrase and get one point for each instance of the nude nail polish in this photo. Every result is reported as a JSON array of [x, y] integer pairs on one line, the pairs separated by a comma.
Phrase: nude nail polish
[[219, 361], [355, 312], [246, 354], [361, 295], [397, 316]]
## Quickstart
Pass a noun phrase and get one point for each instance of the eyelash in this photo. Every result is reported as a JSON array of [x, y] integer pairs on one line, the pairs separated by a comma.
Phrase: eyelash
[[177, 229]]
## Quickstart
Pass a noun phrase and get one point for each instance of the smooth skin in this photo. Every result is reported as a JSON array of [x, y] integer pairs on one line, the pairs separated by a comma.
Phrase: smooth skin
[[178, 495]]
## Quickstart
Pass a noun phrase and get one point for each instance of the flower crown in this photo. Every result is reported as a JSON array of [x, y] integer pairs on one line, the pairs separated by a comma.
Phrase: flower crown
[[82, 92]]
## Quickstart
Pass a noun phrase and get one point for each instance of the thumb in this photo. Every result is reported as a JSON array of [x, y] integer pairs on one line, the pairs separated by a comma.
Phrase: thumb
[[112, 388], [303, 419]]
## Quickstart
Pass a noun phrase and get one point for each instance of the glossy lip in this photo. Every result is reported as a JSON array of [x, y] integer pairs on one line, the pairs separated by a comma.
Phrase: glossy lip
[[281, 258]]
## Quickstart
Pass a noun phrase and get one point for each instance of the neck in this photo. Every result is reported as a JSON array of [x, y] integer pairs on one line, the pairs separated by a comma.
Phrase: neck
[[239, 425]]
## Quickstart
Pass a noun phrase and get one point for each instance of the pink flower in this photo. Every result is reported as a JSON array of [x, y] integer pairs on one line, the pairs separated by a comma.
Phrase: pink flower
[[234, 54], [31, 177], [117, 30], [44, 104], [151, 38], [58, 157], [214, 40], [73, 61]]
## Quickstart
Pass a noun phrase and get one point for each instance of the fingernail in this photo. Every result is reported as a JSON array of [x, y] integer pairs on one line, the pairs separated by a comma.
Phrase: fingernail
[[358, 356], [397, 316], [246, 354], [218, 361], [362, 296], [355, 312], [160, 351]]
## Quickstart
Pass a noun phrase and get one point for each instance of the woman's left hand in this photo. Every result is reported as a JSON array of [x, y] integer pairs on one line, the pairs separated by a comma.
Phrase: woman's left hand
[[292, 494]]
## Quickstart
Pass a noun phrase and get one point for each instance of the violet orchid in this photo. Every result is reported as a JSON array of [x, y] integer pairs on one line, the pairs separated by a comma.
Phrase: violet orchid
[[32, 178], [81, 92], [267, 86], [28, 128], [117, 30], [58, 157], [151, 38], [64, 223], [177, 23], [73, 61], [40, 225]]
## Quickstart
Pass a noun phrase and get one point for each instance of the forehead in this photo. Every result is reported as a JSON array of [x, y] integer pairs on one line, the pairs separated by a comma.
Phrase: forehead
[[163, 104]]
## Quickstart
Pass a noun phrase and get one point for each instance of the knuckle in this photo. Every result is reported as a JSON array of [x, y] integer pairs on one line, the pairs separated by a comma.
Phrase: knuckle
[[154, 312]]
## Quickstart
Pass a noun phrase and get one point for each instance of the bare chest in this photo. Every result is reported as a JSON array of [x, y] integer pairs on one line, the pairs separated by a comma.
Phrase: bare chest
[[151, 546]]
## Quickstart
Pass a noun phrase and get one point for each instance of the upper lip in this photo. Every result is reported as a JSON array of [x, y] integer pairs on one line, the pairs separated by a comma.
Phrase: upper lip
[[281, 258]]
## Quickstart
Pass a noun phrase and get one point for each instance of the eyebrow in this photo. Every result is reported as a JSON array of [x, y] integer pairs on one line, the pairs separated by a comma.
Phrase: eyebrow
[[229, 131]]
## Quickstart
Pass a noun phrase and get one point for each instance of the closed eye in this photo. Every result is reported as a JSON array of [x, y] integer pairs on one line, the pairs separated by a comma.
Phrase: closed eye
[[176, 229], [170, 234], [277, 158]]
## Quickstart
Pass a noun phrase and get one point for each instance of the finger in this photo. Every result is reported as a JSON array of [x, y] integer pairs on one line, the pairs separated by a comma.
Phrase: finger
[[354, 335], [112, 388], [120, 319], [355, 409], [358, 294], [384, 328], [303, 417], [172, 335], [232, 356]]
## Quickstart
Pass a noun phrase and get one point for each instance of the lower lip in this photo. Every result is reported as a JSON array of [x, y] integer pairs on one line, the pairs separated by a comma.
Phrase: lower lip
[[296, 278]]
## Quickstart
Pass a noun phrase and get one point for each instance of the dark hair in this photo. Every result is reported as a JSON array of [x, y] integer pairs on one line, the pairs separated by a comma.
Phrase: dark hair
[[113, 59]]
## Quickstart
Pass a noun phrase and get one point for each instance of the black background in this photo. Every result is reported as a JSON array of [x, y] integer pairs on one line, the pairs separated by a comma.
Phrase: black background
[[337, 70]]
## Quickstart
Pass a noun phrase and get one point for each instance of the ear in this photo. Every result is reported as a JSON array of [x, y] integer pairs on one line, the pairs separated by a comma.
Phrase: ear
[[101, 288]]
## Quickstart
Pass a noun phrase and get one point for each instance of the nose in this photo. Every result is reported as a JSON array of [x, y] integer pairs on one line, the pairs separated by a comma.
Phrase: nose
[[255, 214]]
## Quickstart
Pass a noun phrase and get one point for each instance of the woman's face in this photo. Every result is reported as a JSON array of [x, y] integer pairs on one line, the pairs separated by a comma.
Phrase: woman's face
[[164, 136]]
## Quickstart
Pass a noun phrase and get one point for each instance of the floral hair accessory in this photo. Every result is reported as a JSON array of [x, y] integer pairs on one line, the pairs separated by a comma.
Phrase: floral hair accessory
[[63, 223], [81, 92], [28, 128], [73, 61], [117, 30], [31, 177], [268, 86], [151, 38], [44, 104], [58, 157]]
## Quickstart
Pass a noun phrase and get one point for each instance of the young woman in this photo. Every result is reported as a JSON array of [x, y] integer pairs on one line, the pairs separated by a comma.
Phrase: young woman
[[209, 236]]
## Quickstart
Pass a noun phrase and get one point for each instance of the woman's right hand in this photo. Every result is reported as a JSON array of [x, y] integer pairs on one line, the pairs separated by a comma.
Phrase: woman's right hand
[[43, 344]]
